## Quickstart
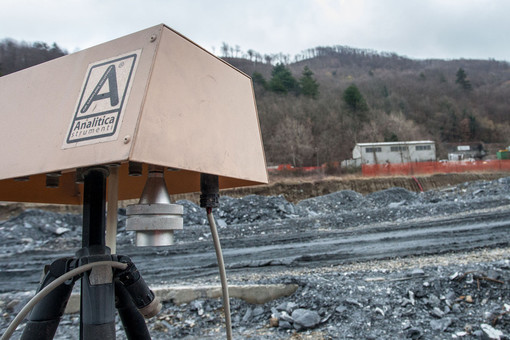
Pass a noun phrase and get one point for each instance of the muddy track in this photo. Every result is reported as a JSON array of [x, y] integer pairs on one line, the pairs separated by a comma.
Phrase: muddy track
[[277, 250], [338, 247]]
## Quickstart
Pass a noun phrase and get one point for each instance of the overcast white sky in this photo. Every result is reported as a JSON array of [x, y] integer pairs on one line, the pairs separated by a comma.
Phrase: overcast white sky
[[446, 29]]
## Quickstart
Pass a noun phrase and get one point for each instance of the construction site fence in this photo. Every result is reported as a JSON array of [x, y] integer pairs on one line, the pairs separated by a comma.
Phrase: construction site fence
[[424, 168]]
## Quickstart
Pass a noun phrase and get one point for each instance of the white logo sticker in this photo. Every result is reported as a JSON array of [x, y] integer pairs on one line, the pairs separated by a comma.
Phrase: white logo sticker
[[102, 99]]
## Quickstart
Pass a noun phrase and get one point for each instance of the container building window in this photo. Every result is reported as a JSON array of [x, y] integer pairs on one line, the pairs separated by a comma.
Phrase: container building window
[[398, 148]]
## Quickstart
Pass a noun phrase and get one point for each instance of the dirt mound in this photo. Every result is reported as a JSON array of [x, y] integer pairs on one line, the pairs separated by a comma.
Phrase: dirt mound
[[392, 196], [295, 190], [340, 200]]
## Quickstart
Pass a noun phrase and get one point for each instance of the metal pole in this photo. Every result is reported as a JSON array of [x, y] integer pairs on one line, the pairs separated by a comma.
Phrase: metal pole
[[111, 217], [97, 288], [94, 199]]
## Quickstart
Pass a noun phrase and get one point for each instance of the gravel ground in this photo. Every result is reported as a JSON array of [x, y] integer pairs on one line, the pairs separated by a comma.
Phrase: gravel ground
[[460, 295]]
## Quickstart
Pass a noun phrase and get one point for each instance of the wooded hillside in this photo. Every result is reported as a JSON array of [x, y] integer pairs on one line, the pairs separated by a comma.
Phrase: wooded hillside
[[314, 109], [15, 56], [448, 101]]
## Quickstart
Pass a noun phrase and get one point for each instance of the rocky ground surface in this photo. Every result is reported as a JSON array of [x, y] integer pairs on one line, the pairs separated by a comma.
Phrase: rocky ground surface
[[462, 294]]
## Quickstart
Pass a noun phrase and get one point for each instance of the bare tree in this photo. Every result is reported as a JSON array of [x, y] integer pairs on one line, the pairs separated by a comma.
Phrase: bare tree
[[292, 143], [225, 49]]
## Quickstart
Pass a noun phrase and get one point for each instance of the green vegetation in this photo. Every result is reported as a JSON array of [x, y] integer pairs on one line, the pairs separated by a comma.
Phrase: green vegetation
[[308, 85], [463, 80], [354, 102], [283, 82]]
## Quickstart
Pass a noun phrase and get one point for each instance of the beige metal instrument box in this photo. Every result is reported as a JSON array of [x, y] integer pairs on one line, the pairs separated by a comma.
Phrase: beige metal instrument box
[[152, 97]]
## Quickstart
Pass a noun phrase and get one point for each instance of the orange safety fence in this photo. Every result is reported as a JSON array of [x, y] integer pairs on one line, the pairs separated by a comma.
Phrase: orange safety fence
[[424, 168]]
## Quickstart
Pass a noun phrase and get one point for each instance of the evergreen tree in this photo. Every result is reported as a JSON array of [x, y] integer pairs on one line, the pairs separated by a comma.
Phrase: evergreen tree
[[392, 137], [463, 80], [356, 108], [259, 79], [309, 86], [282, 80], [354, 101]]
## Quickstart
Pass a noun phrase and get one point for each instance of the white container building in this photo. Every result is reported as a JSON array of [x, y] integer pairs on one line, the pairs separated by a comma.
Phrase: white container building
[[394, 152]]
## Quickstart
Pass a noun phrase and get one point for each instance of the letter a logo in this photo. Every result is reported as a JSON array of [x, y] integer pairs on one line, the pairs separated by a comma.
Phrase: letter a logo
[[113, 92], [102, 100]]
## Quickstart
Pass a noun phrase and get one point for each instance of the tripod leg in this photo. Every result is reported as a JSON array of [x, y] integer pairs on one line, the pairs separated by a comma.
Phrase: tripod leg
[[45, 317], [132, 320]]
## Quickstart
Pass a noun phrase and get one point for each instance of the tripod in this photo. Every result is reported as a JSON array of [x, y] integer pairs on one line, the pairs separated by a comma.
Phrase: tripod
[[102, 288]]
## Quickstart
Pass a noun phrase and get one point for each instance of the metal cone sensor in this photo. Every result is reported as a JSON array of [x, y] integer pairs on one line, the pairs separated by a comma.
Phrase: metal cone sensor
[[154, 218]]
